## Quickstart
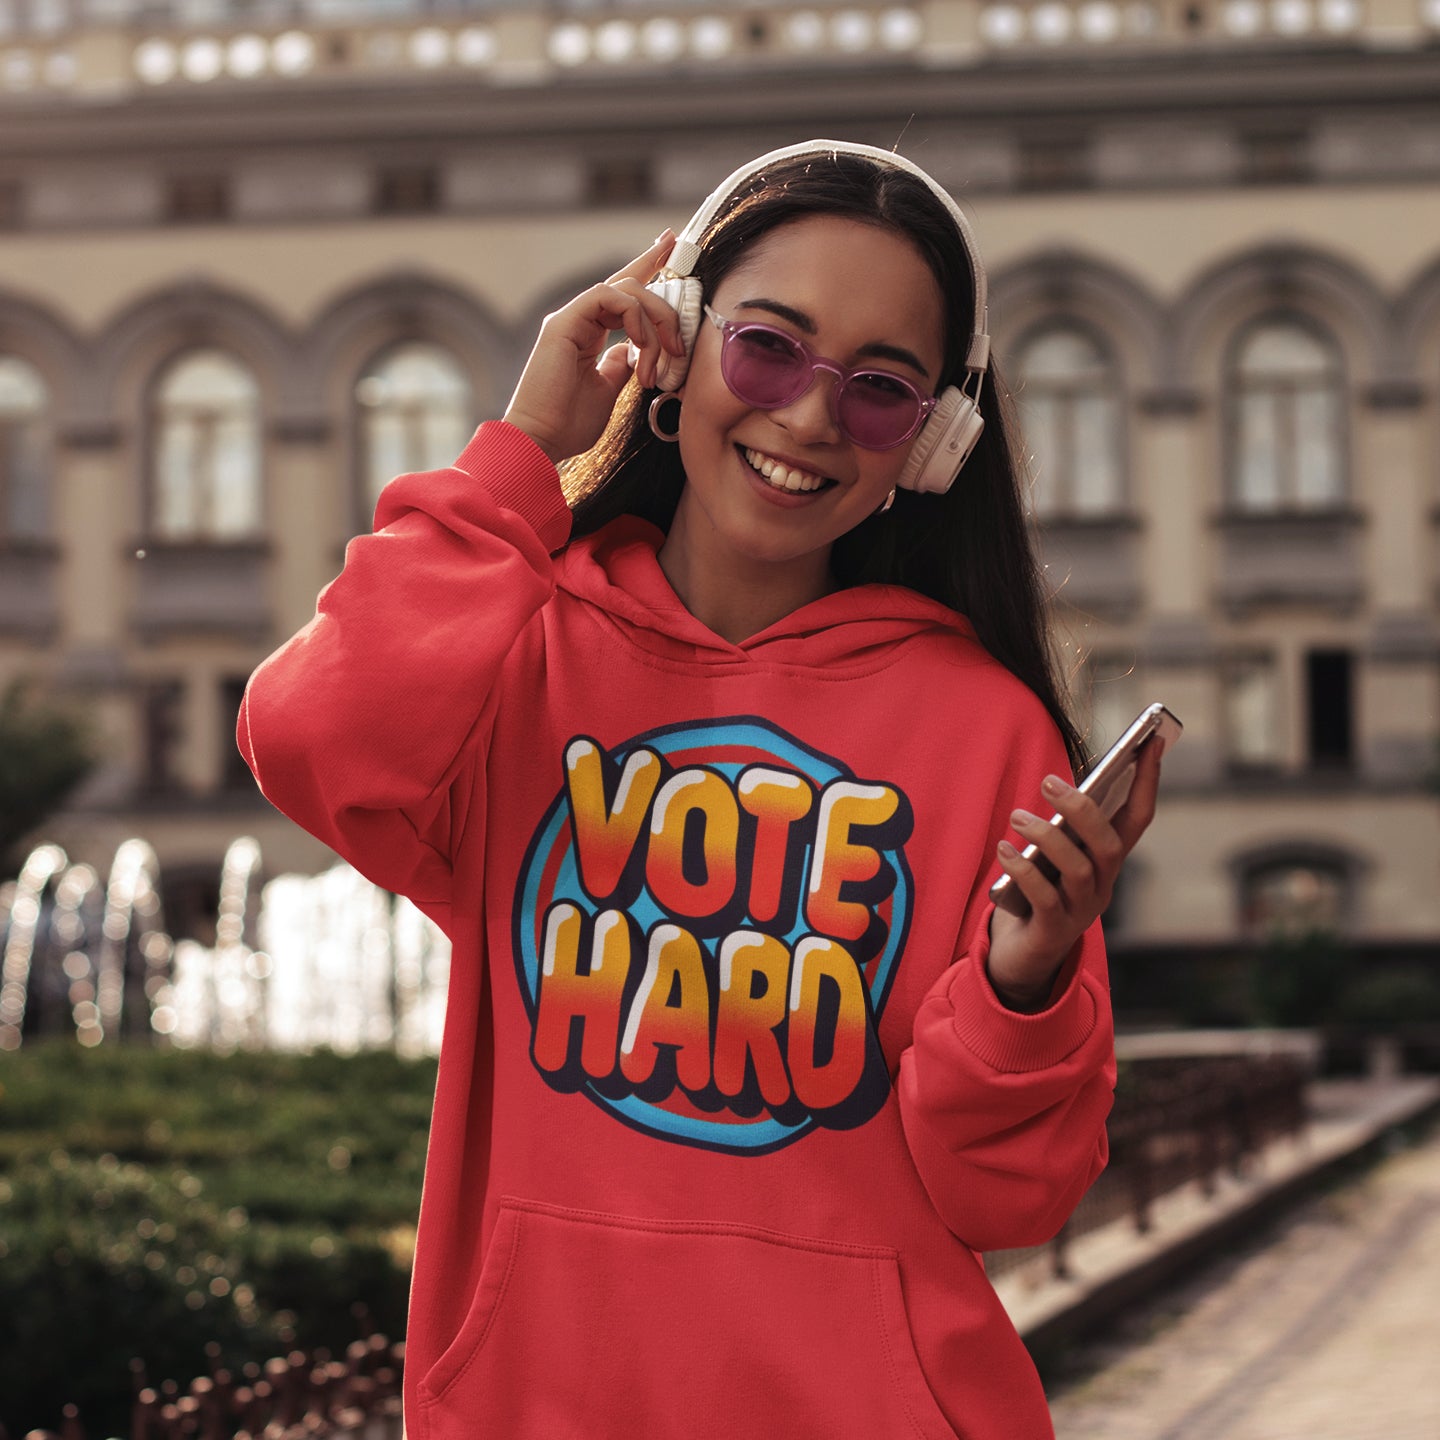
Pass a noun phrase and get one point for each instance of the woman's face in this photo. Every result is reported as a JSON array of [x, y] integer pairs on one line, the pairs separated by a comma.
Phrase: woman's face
[[855, 294]]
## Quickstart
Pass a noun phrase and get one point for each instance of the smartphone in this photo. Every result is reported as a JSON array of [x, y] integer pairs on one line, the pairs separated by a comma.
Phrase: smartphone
[[1108, 782]]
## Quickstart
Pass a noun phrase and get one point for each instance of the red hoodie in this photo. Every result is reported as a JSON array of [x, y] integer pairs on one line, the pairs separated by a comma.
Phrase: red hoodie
[[726, 1106]]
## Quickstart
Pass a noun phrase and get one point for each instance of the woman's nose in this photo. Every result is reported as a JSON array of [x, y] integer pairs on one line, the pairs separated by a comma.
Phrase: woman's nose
[[810, 417]]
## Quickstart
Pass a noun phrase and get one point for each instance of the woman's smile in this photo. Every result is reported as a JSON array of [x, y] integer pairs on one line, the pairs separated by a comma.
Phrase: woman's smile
[[784, 475]]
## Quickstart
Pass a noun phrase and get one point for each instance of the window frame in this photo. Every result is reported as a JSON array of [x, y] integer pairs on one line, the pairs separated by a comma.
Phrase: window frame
[[202, 537], [1231, 666], [1288, 502], [41, 425], [1062, 507]]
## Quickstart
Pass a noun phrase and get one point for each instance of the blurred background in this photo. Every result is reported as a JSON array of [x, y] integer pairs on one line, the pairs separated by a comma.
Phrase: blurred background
[[259, 256]]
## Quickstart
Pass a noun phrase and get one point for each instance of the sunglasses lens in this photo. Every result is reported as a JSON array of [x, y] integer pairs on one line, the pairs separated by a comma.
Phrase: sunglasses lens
[[877, 411], [764, 367]]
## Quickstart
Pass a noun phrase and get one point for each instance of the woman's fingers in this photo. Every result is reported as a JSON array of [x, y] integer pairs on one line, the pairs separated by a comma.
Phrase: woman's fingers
[[649, 323], [623, 303], [1085, 821], [1134, 817], [613, 308], [1071, 866], [635, 276], [644, 318], [1034, 884], [614, 366], [658, 312]]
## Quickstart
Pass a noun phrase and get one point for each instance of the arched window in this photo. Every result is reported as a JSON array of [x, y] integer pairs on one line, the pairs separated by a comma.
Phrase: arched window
[[24, 451], [1071, 414], [416, 412], [206, 473], [1287, 408]]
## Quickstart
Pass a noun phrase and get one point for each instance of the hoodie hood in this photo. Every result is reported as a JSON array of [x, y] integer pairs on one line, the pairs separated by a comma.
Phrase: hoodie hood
[[617, 570]]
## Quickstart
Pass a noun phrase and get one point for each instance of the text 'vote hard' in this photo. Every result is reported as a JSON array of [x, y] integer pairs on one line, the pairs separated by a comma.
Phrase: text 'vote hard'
[[749, 990]]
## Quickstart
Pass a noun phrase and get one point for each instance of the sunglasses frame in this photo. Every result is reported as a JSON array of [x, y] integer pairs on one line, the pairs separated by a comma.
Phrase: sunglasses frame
[[731, 329]]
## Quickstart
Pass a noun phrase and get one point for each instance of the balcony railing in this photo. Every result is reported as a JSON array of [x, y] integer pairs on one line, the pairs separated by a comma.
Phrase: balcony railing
[[107, 49], [1290, 557]]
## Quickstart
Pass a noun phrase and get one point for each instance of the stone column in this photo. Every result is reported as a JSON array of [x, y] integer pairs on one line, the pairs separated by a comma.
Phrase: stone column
[[1171, 478], [1398, 699], [96, 517], [309, 517]]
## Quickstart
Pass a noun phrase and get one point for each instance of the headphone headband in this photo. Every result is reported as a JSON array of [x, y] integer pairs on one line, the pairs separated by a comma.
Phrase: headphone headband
[[686, 250]]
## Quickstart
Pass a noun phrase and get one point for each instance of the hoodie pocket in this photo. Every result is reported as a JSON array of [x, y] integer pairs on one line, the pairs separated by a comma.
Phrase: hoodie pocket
[[600, 1325]]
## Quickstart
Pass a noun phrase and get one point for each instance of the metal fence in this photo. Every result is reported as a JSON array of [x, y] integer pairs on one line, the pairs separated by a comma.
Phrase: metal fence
[[1179, 1121]]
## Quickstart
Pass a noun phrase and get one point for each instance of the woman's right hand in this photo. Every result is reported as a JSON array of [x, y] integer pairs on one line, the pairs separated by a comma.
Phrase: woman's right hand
[[571, 381]]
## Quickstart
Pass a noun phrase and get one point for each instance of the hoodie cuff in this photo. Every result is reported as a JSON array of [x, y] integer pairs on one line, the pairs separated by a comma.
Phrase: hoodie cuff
[[1011, 1042], [520, 478]]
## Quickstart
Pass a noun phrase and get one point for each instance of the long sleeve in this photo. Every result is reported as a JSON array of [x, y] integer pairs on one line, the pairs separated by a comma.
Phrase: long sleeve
[[1004, 1113], [362, 725]]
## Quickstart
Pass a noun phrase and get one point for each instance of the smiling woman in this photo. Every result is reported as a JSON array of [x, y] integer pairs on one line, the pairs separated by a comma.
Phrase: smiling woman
[[704, 757]]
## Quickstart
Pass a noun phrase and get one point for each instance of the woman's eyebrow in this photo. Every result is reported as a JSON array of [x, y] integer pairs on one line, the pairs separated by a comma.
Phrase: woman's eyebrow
[[803, 323]]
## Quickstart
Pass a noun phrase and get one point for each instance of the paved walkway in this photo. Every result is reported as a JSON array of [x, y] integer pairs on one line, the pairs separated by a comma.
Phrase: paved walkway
[[1325, 1327]]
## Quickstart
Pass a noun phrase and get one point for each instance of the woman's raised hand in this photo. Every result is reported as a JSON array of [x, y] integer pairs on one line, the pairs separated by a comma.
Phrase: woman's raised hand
[[571, 381]]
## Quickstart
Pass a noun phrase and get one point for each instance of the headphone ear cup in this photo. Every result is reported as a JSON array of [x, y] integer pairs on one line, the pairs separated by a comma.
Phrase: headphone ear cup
[[943, 445], [682, 294]]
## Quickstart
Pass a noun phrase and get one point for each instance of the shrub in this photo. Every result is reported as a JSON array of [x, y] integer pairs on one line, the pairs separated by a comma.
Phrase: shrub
[[1298, 978], [100, 1262], [153, 1201], [45, 752]]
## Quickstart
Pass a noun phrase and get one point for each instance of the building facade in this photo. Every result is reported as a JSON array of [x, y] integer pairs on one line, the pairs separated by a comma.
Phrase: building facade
[[256, 256]]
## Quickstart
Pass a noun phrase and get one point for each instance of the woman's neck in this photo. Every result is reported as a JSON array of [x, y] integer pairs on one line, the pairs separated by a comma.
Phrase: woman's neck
[[735, 595]]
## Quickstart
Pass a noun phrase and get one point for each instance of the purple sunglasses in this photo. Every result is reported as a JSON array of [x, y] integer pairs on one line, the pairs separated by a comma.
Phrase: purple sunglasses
[[766, 368]]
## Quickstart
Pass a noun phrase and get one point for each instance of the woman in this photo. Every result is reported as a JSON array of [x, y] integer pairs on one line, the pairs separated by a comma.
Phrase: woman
[[707, 778]]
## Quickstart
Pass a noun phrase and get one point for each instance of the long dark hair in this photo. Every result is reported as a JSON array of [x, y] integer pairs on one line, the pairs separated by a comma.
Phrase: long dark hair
[[969, 548]]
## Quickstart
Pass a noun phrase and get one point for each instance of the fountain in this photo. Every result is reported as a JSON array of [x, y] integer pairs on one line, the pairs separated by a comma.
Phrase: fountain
[[21, 913], [134, 948], [300, 962]]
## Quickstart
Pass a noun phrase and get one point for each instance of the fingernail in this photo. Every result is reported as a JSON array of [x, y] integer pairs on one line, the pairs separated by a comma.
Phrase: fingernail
[[1054, 786], [666, 234], [1007, 850], [1020, 818]]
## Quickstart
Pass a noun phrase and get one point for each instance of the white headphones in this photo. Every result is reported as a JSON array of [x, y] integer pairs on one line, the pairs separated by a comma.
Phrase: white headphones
[[950, 431]]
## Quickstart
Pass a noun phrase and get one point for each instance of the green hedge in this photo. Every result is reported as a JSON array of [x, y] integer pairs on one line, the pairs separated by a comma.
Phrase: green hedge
[[155, 1201]]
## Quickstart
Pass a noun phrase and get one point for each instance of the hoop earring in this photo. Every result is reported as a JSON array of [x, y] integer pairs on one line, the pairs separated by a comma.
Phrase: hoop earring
[[668, 436], [889, 501]]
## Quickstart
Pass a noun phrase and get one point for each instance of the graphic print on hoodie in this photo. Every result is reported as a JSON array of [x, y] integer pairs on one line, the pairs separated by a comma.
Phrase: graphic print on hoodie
[[707, 925]]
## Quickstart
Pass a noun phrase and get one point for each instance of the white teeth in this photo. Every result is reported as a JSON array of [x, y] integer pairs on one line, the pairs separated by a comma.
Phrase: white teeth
[[781, 476]]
